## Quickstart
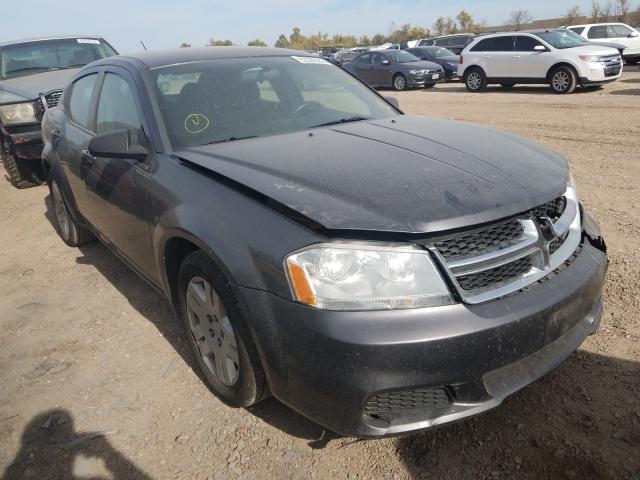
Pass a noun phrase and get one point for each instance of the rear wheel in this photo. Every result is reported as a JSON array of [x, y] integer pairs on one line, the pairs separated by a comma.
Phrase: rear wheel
[[22, 173], [218, 333], [71, 232], [563, 80], [399, 82], [475, 80]]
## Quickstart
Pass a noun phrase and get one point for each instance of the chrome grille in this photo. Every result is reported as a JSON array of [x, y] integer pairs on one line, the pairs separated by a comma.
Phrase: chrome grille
[[507, 256], [50, 99]]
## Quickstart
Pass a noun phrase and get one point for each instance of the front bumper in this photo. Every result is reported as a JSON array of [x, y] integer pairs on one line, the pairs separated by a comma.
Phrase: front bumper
[[422, 80], [327, 365], [24, 141]]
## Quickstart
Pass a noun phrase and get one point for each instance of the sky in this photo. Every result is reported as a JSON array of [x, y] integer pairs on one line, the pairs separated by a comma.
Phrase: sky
[[168, 23]]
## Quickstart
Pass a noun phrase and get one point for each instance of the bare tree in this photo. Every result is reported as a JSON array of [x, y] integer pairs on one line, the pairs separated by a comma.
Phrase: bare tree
[[623, 9], [465, 20], [573, 15], [518, 18]]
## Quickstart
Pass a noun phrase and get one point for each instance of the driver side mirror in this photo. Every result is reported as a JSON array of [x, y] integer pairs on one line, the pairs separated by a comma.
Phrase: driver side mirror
[[540, 48], [634, 34], [125, 144]]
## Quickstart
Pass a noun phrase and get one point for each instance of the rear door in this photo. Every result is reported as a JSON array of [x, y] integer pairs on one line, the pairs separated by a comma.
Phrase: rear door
[[527, 62], [78, 129], [494, 55], [117, 187]]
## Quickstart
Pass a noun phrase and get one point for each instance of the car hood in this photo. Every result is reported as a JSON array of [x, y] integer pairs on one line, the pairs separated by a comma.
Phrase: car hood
[[595, 49], [617, 46], [450, 58], [425, 64], [406, 174], [30, 86]]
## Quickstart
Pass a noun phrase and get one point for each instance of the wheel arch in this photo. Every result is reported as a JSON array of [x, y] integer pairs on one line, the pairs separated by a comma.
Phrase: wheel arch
[[561, 64]]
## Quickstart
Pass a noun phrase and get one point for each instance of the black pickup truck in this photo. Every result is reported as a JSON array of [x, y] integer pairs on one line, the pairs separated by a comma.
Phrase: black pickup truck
[[33, 73]]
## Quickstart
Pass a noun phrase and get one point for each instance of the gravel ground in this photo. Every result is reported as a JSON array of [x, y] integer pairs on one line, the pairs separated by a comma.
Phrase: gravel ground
[[97, 381]]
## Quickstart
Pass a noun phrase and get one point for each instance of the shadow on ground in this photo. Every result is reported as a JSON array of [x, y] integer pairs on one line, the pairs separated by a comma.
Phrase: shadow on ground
[[631, 91], [51, 448]]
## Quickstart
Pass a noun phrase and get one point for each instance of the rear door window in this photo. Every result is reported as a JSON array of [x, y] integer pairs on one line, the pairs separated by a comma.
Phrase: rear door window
[[366, 58], [599, 31], [503, 44], [80, 101]]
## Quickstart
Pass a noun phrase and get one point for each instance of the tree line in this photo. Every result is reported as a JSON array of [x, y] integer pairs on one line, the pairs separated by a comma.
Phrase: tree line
[[464, 22]]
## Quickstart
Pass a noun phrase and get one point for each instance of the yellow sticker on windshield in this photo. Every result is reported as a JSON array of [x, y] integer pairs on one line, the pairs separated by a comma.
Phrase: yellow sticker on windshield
[[196, 123]]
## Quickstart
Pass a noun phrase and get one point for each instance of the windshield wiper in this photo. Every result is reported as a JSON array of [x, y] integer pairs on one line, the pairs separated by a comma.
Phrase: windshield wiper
[[342, 120], [28, 69], [230, 139]]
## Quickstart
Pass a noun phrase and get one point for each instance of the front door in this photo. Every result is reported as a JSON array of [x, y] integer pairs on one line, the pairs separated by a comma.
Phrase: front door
[[117, 187], [619, 33], [381, 73], [527, 62], [363, 67]]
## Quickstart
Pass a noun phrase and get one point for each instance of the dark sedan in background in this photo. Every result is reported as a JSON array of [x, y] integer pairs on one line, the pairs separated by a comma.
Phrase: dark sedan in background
[[32, 74], [448, 60], [378, 272], [397, 69]]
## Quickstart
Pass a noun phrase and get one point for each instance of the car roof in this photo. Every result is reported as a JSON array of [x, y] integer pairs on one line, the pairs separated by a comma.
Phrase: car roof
[[596, 24], [47, 37], [161, 58]]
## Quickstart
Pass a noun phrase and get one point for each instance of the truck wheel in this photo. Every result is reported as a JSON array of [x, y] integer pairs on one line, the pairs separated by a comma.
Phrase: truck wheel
[[399, 82], [563, 80], [218, 333], [71, 232], [22, 173], [475, 80]]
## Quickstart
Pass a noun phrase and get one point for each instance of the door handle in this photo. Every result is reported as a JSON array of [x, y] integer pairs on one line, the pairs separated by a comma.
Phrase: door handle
[[87, 158], [516, 56], [487, 56]]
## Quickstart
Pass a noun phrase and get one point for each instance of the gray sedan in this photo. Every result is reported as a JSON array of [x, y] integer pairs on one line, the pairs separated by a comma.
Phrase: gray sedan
[[394, 68]]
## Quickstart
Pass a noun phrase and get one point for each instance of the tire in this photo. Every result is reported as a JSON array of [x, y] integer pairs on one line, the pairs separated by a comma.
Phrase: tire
[[632, 61], [507, 85], [563, 80], [218, 333], [399, 82], [475, 80], [71, 232], [22, 173]]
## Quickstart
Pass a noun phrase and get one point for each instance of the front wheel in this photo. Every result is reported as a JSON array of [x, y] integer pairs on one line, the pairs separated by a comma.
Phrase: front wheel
[[563, 80], [632, 61], [475, 80], [399, 82], [218, 333]]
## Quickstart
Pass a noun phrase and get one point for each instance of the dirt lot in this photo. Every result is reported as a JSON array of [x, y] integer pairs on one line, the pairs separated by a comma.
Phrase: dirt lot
[[98, 382]]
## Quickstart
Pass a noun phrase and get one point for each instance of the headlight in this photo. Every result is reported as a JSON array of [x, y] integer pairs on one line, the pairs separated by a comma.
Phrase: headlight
[[17, 113], [346, 276], [451, 64], [417, 72], [590, 58]]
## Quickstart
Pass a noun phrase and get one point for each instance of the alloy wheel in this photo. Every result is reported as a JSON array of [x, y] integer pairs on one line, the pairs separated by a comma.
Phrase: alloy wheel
[[561, 81], [474, 80], [212, 331], [60, 210], [399, 82]]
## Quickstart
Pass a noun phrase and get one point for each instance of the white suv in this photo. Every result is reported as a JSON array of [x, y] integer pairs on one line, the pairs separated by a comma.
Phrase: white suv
[[613, 32], [544, 56]]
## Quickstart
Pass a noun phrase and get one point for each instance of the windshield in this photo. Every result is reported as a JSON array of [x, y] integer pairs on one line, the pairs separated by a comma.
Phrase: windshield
[[440, 52], [400, 56], [560, 40], [232, 99], [575, 36], [33, 57]]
